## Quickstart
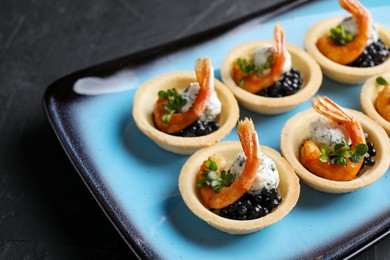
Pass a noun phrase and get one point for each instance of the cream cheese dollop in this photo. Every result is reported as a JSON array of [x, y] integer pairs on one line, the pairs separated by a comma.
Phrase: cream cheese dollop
[[328, 132], [262, 54], [213, 105], [349, 24], [267, 175]]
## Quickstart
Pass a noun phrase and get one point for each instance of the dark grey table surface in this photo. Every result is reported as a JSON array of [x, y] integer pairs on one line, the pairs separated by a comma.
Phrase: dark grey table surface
[[46, 212]]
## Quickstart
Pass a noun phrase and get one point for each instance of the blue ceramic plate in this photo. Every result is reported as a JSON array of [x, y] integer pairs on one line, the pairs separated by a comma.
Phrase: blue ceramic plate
[[135, 182]]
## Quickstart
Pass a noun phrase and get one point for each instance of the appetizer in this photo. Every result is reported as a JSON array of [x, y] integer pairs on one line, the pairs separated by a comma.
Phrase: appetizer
[[269, 71], [184, 111], [239, 187], [340, 151], [337, 146], [193, 112], [375, 100], [351, 49], [271, 77], [354, 41]]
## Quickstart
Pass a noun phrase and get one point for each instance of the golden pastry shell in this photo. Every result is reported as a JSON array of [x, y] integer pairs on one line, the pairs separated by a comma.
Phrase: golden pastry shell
[[146, 97], [289, 189], [368, 94], [297, 129], [337, 72], [302, 61]]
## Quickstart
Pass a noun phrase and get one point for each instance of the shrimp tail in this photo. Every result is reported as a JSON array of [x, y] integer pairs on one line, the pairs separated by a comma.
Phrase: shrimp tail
[[250, 145], [328, 108], [355, 8], [205, 76]]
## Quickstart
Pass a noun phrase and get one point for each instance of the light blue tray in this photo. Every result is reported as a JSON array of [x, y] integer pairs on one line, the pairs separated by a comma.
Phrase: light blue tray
[[135, 181]]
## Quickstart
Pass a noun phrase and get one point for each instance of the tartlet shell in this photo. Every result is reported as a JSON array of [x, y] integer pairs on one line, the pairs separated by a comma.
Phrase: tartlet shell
[[146, 97], [297, 129], [289, 189], [302, 61], [368, 94], [337, 72]]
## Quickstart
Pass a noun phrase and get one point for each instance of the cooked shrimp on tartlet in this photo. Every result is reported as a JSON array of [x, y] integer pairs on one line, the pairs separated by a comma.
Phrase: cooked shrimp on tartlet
[[184, 111], [350, 49], [239, 187], [271, 77], [336, 158], [334, 149]]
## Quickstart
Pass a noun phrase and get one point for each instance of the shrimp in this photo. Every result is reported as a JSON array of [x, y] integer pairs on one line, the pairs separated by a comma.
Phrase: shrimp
[[347, 53], [382, 103], [310, 152], [205, 77], [254, 83], [228, 195]]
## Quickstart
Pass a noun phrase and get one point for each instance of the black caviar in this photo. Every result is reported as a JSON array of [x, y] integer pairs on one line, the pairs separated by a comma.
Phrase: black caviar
[[251, 206], [374, 54], [289, 83], [199, 128], [368, 157]]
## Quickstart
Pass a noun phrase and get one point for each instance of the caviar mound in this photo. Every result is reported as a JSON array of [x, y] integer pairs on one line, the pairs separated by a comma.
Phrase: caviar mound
[[373, 55], [301, 61], [289, 83], [368, 94], [297, 129], [337, 72], [199, 128], [251, 206], [146, 96], [288, 188]]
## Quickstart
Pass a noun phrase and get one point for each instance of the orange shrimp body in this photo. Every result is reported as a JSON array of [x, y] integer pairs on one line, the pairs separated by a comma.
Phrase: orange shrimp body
[[382, 103], [347, 53], [228, 195], [205, 77], [310, 152], [254, 83]]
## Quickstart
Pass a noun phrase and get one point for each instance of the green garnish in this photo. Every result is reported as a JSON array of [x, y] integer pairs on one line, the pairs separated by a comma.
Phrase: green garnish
[[339, 36], [211, 177], [241, 82], [249, 68], [173, 104], [382, 81], [245, 65], [342, 151]]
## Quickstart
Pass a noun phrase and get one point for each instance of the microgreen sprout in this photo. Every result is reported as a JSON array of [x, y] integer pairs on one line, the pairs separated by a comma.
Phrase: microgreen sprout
[[382, 81], [341, 152], [248, 67], [173, 104], [340, 36], [211, 177]]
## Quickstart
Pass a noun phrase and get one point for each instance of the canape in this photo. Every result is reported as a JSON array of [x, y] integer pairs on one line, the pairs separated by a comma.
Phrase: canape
[[184, 111], [333, 149], [271, 77], [239, 187], [350, 50]]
